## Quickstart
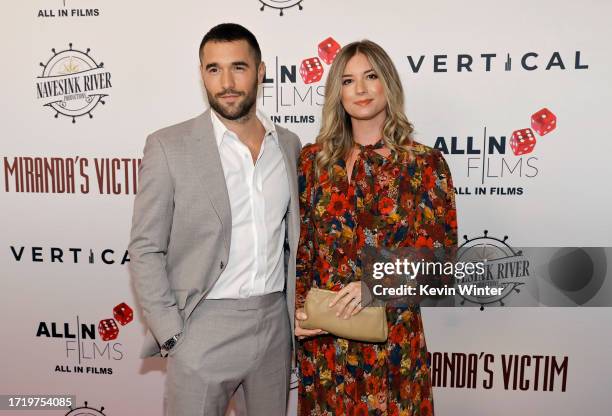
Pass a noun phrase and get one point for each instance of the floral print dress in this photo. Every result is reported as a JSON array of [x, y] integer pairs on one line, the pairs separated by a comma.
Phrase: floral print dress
[[390, 202]]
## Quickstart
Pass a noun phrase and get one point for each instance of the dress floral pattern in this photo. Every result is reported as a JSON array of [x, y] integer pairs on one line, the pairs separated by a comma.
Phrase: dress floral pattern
[[390, 202]]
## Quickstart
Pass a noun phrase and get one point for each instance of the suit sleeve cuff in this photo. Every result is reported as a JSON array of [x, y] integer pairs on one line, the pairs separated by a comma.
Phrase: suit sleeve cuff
[[165, 326]]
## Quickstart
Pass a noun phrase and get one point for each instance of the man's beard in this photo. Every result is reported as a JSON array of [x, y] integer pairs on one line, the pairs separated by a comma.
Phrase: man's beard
[[238, 111]]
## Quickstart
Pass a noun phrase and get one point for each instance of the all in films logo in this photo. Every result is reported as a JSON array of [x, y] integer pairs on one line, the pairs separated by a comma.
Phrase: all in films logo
[[66, 11], [298, 86], [72, 83], [86, 345], [500, 157], [280, 5]]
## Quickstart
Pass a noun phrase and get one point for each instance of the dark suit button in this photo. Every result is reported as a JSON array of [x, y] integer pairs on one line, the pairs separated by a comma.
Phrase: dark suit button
[[221, 265]]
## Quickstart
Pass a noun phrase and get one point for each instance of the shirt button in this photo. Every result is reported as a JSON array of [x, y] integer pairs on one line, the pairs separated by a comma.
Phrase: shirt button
[[221, 265]]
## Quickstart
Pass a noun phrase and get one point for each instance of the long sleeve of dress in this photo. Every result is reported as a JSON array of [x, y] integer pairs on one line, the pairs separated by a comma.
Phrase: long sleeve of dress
[[446, 210], [445, 214], [305, 252]]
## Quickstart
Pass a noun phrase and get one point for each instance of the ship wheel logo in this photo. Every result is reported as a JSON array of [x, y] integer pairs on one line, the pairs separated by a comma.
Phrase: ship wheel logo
[[86, 411], [280, 5], [72, 83], [492, 252]]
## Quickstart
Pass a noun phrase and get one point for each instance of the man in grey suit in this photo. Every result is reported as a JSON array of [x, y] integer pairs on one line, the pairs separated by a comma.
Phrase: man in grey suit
[[214, 238]]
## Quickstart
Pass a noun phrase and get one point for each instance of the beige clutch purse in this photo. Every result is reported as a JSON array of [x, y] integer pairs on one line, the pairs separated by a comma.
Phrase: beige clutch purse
[[369, 325]]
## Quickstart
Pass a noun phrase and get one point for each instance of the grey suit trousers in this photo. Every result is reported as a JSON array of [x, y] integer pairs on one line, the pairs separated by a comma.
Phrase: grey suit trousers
[[227, 343]]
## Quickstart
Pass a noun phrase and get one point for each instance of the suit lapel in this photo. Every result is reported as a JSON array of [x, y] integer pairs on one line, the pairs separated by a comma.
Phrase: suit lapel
[[210, 170]]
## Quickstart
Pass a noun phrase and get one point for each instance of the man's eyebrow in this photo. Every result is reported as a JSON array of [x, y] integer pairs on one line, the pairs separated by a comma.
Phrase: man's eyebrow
[[236, 63]]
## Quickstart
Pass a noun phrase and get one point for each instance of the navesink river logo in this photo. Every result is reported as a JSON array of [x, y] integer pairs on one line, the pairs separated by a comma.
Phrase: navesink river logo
[[280, 5], [85, 410], [505, 268], [72, 83]]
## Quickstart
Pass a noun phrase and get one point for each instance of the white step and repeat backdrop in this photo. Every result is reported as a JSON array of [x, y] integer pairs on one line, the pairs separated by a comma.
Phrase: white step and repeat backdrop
[[475, 73]]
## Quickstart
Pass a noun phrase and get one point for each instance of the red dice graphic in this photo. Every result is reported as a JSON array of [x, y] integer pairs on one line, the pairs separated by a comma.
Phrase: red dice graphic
[[108, 329], [123, 313], [543, 122], [311, 70], [522, 141], [328, 49]]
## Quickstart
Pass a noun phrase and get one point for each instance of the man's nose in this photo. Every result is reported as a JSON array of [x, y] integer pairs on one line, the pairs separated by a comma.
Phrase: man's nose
[[227, 80]]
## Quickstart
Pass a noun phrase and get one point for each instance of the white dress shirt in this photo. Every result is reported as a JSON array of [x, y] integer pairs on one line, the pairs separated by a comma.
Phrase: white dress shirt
[[259, 198]]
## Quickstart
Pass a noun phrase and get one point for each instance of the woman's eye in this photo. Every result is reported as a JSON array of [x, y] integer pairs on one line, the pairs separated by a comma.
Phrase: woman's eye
[[346, 82], [372, 76]]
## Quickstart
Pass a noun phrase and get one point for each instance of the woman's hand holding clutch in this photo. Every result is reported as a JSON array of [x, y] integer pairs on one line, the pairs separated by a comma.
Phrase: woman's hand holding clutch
[[349, 300], [349, 303], [342, 314]]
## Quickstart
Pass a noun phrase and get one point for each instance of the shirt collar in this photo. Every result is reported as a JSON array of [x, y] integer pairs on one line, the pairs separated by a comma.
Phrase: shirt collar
[[220, 130]]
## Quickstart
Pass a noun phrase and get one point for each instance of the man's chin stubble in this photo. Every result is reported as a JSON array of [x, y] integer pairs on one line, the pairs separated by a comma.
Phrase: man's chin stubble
[[242, 115]]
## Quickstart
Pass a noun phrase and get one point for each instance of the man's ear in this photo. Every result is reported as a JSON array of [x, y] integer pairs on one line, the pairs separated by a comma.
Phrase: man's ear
[[261, 72]]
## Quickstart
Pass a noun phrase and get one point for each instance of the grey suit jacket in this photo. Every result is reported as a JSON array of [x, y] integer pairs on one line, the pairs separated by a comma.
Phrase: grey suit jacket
[[181, 227]]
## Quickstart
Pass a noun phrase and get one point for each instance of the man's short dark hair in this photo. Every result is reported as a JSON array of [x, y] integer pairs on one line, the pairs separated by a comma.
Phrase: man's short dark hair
[[229, 32]]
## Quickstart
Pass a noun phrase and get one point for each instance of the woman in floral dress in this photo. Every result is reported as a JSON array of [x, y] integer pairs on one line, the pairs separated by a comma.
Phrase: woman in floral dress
[[366, 182]]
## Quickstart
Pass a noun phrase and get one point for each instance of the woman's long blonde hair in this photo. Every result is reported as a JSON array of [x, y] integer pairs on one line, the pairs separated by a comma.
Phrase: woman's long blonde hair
[[335, 137]]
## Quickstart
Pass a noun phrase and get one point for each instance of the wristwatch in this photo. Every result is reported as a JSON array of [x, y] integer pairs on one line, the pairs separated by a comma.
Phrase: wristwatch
[[169, 344]]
